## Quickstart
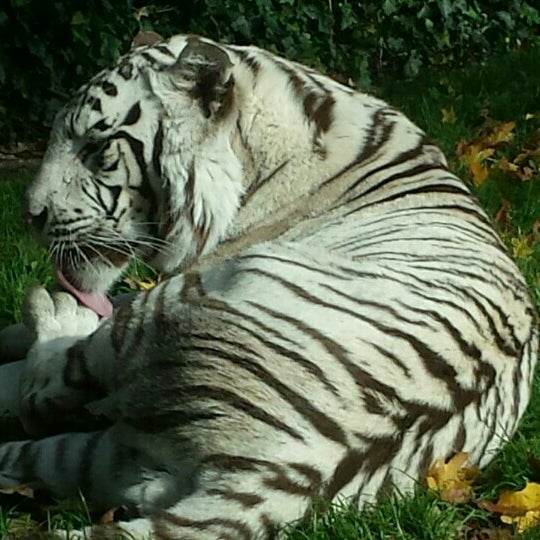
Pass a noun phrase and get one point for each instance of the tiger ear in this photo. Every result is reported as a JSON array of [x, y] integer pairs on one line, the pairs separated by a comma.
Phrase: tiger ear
[[146, 37], [206, 68]]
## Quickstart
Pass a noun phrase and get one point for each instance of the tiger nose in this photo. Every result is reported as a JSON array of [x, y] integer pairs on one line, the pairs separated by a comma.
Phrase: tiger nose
[[35, 215], [38, 221]]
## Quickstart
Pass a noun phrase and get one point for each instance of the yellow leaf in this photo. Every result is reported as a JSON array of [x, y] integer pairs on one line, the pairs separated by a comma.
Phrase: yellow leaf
[[504, 165], [521, 508], [526, 499], [521, 247], [529, 116], [502, 133], [451, 479], [140, 284], [448, 115], [474, 156], [529, 519], [479, 173]]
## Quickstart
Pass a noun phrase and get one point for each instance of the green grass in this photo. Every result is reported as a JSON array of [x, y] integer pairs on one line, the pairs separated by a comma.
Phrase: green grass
[[504, 89]]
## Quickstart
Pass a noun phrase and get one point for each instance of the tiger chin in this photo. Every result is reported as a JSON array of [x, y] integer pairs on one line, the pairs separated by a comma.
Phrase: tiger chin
[[338, 311]]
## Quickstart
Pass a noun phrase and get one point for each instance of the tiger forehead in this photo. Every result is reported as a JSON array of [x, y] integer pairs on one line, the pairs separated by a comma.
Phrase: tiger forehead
[[104, 104], [105, 101]]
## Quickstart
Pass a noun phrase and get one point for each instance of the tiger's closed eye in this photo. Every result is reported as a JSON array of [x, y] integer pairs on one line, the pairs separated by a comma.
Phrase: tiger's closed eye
[[90, 149], [92, 153]]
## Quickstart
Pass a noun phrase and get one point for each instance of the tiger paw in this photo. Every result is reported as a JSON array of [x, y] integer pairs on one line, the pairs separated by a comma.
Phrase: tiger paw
[[58, 322], [50, 316]]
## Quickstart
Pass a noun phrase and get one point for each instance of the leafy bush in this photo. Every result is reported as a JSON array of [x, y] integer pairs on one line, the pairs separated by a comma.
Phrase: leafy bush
[[51, 47]]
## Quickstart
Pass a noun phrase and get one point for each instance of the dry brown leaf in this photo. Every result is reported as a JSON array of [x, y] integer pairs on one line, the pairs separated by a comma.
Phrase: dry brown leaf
[[526, 173], [504, 165], [501, 133], [452, 480], [108, 517], [502, 215]]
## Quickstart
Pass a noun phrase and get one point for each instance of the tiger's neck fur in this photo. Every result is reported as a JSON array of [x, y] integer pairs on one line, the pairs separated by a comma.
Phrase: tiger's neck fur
[[264, 184]]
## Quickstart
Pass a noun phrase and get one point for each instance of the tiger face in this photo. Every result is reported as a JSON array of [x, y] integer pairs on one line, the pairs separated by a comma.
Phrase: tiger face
[[116, 183]]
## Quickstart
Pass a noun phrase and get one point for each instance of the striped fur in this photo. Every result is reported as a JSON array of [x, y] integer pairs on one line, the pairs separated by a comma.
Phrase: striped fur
[[340, 312]]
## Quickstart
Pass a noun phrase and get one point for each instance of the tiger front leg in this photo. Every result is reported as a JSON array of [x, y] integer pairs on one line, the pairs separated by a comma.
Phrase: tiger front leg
[[55, 379]]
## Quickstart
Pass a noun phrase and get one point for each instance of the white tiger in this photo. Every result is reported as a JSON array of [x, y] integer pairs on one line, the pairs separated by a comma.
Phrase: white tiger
[[340, 311]]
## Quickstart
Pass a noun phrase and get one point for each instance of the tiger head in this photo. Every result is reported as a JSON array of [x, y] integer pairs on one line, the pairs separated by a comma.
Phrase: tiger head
[[140, 165]]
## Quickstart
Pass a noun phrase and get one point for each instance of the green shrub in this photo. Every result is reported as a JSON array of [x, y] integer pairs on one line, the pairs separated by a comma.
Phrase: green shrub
[[51, 47]]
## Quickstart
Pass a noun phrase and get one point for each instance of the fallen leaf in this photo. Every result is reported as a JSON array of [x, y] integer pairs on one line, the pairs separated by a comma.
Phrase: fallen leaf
[[448, 115], [108, 517], [521, 508], [521, 247], [526, 521], [528, 498], [501, 133], [504, 165], [452, 480], [502, 215], [475, 157], [479, 173], [25, 491], [140, 284], [526, 173]]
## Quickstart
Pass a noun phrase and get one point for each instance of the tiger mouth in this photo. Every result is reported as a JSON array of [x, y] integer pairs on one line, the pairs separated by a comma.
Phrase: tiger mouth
[[71, 261], [99, 303]]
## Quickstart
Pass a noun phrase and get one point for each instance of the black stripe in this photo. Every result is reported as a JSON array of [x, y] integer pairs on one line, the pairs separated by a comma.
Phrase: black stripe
[[320, 421], [251, 62], [242, 531], [291, 354], [138, 332], [221, 307], [91, 196], [407, 173], [100, 125], [371, 146], [433, 361], [247, 500], [76, 373], [164, 50], [234, 400], [109, 88], [137, 148], [133, 115], [427, 188], [157, 149], [315, 268], [258, 183], [87, 461]]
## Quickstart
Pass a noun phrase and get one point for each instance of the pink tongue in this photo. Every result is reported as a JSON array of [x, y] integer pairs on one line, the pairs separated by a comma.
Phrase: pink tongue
[[96, 302]]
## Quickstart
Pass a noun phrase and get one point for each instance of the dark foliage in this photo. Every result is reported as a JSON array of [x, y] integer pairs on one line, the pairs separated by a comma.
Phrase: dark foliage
[[50, 47]]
